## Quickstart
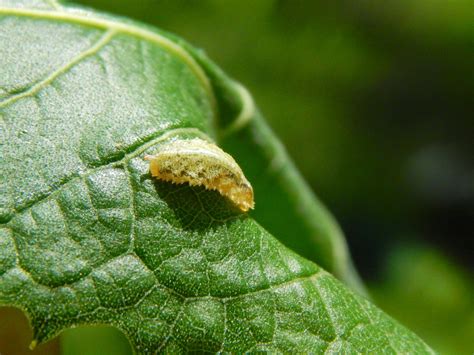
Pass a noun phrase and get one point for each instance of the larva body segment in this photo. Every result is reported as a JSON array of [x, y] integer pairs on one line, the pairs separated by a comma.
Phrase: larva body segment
[[198, 162]]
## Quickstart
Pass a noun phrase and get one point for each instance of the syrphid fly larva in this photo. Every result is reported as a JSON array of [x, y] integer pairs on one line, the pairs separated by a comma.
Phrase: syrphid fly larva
[[198, 162]]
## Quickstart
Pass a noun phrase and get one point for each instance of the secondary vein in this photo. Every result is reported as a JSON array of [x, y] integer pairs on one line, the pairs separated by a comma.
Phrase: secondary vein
[[136, 152], [97, 22], [104, 39]]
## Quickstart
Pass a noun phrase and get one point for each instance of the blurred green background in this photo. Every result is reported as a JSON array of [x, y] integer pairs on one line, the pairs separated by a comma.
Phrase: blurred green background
[[374, 102]]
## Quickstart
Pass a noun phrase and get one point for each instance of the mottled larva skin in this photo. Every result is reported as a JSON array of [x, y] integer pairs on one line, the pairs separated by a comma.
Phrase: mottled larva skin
[[198, 162]]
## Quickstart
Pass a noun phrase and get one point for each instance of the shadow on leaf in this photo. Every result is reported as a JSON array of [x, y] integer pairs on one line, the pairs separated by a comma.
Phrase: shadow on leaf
[[195, 207]]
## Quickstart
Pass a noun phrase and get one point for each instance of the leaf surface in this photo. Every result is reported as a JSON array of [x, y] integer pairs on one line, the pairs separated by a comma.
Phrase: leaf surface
[[88, 237]]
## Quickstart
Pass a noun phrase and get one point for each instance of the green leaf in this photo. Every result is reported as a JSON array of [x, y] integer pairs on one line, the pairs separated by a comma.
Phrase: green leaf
[[88, 237]]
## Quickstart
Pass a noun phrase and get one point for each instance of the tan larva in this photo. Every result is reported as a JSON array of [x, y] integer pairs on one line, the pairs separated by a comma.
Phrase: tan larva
[[198, 162]]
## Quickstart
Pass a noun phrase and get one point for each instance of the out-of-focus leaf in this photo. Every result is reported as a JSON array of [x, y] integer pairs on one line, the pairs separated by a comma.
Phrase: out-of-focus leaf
[[94, 341], [427, 291]]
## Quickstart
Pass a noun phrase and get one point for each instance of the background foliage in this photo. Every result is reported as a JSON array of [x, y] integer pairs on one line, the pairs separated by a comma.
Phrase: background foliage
[[374, 102]]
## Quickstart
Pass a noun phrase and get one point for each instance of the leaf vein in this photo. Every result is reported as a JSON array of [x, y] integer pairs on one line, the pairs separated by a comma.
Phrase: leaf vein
[[94, 49], [135, 31], [146, 143]]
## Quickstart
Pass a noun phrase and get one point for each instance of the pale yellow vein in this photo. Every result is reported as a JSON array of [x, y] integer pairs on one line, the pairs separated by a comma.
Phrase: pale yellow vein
[[50, 78], [82, 18]]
